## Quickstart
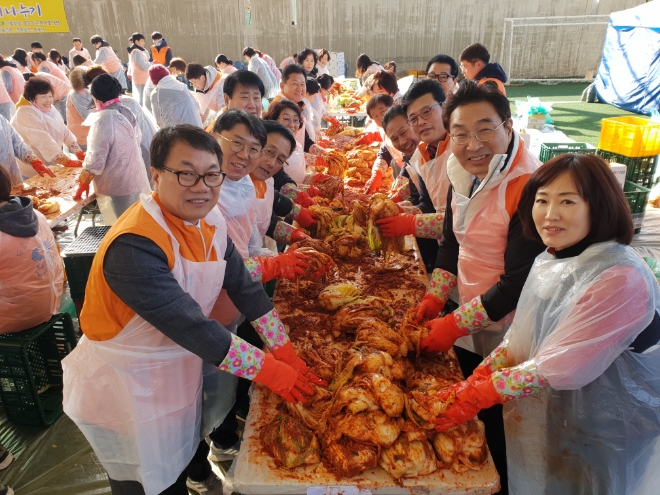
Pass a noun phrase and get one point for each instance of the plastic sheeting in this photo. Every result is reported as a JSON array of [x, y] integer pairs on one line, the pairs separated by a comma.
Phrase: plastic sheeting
[[629, 74]]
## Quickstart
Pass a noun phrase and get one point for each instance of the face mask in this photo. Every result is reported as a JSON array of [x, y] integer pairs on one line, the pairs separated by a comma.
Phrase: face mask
[[158, 43]]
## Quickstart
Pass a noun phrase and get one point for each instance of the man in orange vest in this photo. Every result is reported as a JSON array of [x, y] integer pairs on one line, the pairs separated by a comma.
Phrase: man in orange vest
[[476, 67], [161, 53]]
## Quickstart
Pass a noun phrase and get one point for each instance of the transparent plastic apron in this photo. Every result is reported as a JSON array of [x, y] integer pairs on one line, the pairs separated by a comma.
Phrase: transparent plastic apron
[[264, 214], [295, 165], [138, 397]]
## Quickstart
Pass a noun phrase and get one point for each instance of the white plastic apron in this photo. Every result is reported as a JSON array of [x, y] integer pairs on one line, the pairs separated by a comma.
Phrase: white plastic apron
[[295, 165], [481, 226], [138, 397], [434, 175], [603, 438], [208, 100], [264, 207]]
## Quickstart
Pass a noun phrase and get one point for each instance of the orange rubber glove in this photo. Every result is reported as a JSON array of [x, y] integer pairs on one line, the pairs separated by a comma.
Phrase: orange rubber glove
[[287, 354], [81, 156], [331, 119], [84, 181], [429, 308], [41, 169], [319, 177], [373, 184], [73, 163], [444, 332], [368, 138], [306, 219], [471, 396], [403, 224], [303, 200], [395, 196], [282, 379], [313, 191], [289, 265], [298, 235]]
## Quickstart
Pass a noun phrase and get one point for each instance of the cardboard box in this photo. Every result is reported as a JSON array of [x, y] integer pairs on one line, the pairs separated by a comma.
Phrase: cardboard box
[[619, 171]]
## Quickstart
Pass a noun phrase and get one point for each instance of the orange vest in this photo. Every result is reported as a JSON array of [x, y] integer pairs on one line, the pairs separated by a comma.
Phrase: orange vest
[[500, 84], [74, 123], [105, 315], [159, 56]]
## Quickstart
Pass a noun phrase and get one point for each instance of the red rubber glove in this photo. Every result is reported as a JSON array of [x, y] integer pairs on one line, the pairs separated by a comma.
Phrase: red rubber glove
[[303, 200], [41, 169], [368, 138], [397, 226], [471, 396], [287, 265], [81, 156], [395, 196], [313, 191], [298, 235], [373, 184], [283, 380], [331, 119], [444, 332], [319, 177], [429, 308], [321, 271], [287, 354], [73, 163], [306, 219]]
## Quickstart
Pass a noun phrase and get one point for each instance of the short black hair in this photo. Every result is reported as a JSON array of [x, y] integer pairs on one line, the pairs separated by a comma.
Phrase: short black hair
[[77, 39], [312, 86], [246, 79], [166, 137], [222, 59], [306, 53], [386, 100], [55, 56], [362, 63], [231, 118], [39, 56], [137, 37], [195, 70], [474, 52], [291, 69], [275, 109], [326, 81], [95, 39], [5, 184], [248, 51], [470, 92], [36, 44], [423, 87], [387, 81], [444, 59], [274, 127], [36, 86], [392, 112], [28, 75], [156, 35], [78, 60]]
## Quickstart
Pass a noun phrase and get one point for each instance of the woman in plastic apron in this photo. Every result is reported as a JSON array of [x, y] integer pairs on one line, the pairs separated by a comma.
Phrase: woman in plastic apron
[[290, 116], [579, 369]]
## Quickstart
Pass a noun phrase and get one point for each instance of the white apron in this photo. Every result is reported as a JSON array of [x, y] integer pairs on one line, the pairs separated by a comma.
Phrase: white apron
[[295, 165], [434, 175], [264, 207], [137, 397]]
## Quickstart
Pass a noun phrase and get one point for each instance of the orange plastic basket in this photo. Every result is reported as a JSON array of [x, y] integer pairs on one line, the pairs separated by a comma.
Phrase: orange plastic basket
[[630, 136]]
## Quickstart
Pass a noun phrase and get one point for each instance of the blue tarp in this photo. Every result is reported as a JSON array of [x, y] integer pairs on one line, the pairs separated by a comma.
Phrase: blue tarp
[[629, 74]]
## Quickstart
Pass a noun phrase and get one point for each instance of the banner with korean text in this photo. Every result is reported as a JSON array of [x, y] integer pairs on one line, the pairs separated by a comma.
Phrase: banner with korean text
[[32, 16]]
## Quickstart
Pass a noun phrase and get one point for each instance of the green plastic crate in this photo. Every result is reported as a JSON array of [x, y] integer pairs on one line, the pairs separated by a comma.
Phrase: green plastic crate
[[641, 171], [637, 197], [78, 258], [31, 371], [550, 150]]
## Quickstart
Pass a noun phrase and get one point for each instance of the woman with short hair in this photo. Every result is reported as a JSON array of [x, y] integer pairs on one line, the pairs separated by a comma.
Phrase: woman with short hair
[[364, 67], [308, 59], [322, 62], [55, 57]]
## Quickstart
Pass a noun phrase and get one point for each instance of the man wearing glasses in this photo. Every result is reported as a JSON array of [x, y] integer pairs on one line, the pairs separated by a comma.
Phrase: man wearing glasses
[[133, 385], [444, 69], [482, 252]]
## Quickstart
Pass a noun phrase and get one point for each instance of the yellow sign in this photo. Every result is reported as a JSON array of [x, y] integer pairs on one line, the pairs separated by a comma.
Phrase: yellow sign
[[32, 16]]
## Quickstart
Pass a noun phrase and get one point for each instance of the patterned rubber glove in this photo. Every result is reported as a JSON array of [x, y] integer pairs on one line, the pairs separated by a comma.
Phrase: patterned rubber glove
[[315, 149], [428, 226], [288, 234], [293, 192], [441, 285], [494, 361], [373, 184], [84, 181], [368, 138], [287, 354], [400, 190], [80, 155], [41, 169]]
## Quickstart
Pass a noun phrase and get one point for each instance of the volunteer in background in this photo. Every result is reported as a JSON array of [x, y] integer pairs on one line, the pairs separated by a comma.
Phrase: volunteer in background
[[107, 58], [57, 79], [208, 83], [483, 250], [157, 274], [443, 68], [138, 66], [308, 58], [224, 65], [584, 335], [293, 87], [47, 66], [79, 60], [42, 128], [55, 57], [171, 102], [271, 64], [114, 161], [19, 57], [244, 90], [6, 104], [476, 67], [78, 49], [325, 81], [257, 65], [390, 67], [177, 69], [314, 98], [30, 263], [384, 83], [78, 106], [35, 47], [364, 67], [161, 52], [293, 59], [322, 62], [12, 147]]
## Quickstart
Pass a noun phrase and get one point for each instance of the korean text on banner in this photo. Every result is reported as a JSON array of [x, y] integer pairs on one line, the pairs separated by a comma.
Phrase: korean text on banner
[[29, 16]]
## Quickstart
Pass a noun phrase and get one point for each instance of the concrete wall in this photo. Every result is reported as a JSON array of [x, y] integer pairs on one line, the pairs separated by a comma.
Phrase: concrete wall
[[407, 31]]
